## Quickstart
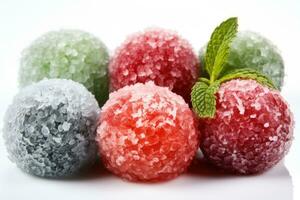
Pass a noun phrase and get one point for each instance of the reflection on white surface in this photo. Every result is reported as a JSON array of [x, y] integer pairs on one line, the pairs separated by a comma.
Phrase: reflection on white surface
[[201, 182]]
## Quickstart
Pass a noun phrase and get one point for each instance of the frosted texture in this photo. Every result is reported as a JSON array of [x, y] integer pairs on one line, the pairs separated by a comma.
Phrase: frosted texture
[[252, 50], [147, 133], [67, 54], [156, 55], [252, 129], [49, 129]]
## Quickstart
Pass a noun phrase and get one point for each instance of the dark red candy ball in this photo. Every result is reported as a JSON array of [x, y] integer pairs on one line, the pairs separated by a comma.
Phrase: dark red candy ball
[[155, 55], [252, 129]]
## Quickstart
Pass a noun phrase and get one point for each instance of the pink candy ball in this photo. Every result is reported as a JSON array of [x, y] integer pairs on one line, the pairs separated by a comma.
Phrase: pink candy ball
[[147, 133]]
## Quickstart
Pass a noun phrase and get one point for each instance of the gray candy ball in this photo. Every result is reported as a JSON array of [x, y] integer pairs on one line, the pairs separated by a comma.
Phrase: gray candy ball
[[49, 129]]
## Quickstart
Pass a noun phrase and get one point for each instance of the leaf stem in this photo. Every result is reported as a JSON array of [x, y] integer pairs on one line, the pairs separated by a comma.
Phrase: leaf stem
[[212, 79]]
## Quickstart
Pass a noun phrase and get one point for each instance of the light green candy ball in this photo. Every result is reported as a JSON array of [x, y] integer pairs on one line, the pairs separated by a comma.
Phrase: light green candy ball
[[67, 54], [251, 50]]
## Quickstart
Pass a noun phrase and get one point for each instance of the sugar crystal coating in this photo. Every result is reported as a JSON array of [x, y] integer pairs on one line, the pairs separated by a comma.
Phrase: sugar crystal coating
[[155, 55], [67, 54], [49, 129], [251, 50], [147, 133], [252, 129]]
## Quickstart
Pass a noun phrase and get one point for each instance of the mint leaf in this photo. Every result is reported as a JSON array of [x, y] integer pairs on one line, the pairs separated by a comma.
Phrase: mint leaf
[[205, 80], [248, 73], [204, 99], [218, 47]]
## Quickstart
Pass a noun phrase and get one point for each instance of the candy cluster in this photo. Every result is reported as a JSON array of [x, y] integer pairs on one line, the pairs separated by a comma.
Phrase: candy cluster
[[164, 105]]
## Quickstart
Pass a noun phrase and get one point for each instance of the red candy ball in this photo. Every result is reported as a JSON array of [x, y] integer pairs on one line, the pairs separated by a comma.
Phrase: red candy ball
[[147, 133], [155, 55], [252, 129]]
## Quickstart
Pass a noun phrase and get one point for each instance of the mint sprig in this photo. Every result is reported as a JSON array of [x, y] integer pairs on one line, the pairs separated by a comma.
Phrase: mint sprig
[[203, 92]]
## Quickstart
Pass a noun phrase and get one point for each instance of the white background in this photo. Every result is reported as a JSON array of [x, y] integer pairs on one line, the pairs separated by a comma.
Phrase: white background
[[110, 20]]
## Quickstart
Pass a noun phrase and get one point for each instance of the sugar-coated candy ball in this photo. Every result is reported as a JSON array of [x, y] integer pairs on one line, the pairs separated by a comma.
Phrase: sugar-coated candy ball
[[251, 131], [147, 133], [67, 54], [251, 50], [49, 129], [155, 55]]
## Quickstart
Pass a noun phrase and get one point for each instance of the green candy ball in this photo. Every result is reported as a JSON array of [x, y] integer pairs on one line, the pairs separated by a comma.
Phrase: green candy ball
[[251, 50], [67, 54]]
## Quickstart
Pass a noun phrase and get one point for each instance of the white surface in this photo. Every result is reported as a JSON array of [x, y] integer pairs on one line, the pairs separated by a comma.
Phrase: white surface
[[23, 21], [201, 183]]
